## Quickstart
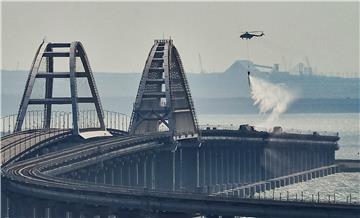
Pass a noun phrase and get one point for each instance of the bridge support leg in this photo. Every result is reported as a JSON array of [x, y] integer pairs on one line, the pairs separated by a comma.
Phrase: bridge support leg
[[174, 170], [7, 209], [145, 171], [181, 169], [68, 214], [37, 208], [204, 169], [81, 214], [222, 171], [268, 186], [296, 179], [33, 212], [262, 188], [216, 177], [60, 210], [277, 182], [197, 168], [236, 193], [153, 172], [47, 212]]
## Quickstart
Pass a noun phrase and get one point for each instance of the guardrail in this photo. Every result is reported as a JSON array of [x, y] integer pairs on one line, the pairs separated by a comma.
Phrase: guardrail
[[25, 142], [63, 120], [270, 130], [318, 197]]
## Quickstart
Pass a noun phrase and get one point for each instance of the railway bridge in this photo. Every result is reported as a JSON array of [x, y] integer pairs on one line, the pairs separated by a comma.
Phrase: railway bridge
[[156, 163]]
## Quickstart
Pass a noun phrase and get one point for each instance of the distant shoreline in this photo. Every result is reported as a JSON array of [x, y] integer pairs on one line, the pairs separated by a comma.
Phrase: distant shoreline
[[10, 103]]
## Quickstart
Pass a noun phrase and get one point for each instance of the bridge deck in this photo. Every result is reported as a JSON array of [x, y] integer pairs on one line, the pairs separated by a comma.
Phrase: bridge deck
[[38, 177], [15, 144]]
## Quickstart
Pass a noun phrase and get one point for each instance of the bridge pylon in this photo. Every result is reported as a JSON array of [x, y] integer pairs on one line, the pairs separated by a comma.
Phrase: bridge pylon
[[163, 101], [48, 52]]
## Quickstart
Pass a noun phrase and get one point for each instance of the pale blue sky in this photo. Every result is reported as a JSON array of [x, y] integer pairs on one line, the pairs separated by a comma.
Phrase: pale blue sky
[[117, 36]]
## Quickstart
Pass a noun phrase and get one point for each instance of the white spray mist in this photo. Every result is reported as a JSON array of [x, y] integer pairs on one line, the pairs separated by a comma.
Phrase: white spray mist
[[270, 98]]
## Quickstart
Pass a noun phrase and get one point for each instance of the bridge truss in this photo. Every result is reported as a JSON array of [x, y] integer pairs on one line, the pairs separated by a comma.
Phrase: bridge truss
[[48, 52], [164, 99]]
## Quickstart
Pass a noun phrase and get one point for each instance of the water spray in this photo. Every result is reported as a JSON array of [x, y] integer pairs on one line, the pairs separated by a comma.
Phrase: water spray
[[270, 98]]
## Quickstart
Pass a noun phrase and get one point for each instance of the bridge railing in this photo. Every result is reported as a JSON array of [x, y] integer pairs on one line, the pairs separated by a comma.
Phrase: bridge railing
[[307, 197], [290, 130], [63, 120], [24, 141], [273, 195]]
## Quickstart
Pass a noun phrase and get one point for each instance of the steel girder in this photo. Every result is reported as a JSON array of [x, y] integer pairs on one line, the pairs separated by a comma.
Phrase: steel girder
[[164, 95], [46, 51]]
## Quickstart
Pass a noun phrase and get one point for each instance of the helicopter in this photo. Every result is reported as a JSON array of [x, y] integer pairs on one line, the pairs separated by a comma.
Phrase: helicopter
[[249, 35]]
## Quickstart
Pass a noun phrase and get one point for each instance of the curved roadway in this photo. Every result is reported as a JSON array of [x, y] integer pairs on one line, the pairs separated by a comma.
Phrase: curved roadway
[[37, 177]]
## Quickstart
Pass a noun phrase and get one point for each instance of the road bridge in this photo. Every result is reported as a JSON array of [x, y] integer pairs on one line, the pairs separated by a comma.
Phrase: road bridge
[[15, 144], [162, 165], [49, 177]]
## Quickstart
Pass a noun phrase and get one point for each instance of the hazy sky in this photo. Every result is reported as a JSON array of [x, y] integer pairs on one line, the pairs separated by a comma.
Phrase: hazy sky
[[117, 36]]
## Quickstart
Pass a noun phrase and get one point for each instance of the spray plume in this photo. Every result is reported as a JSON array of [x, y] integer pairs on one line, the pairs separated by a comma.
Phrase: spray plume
[[270, 98]]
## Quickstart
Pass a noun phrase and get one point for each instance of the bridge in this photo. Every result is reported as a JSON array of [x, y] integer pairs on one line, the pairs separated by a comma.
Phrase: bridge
[[156, 163]]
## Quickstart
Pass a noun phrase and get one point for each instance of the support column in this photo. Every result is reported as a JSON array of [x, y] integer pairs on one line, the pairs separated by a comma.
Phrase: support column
[[295, 161], [112, 182], [122, 174], [222, 174], [237, 166], [210, 163], [7, 209], [263, 160], [305, 160], [240, 163], [204, 168], [243, 170], [47, 212], [137, 171], [181, 170], [216, 167], [145, 171], [270, 164], [153, 172], [249, 165], [255, 167], [227, 166], [197, 168], [174, 170], [233, 166], [288, 161], [129, 172]]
